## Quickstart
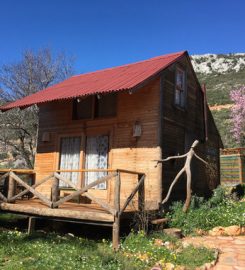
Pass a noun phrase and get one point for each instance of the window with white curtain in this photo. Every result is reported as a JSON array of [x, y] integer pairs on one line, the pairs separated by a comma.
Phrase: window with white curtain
[[97, 148], [70, 158]]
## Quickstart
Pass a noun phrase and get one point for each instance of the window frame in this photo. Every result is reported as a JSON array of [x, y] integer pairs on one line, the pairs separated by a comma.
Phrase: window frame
[[182, 102], [59, 138], [74, 110], [92, 132], [91, 135], [93, 108]]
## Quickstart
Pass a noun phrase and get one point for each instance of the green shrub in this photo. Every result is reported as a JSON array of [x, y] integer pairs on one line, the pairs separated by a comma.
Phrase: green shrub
[[220, 210]]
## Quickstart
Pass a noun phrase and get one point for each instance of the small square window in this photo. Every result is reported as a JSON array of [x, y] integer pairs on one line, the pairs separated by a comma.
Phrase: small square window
[[97, 106], [180, 88], [105, 105], [82, 108]]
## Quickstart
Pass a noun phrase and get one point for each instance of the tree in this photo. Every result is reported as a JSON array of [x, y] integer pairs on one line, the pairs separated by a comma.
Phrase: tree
[[34, 72], [238, 115]]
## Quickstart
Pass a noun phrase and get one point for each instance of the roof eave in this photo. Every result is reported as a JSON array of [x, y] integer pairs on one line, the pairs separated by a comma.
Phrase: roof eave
[[135, 87]]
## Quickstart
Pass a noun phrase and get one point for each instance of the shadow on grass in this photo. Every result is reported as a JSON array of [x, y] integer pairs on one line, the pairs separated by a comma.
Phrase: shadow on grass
[[44, 226]]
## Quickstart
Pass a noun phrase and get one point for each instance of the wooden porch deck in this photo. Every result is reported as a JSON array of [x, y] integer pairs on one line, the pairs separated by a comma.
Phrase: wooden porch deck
[[97, 212], [68, 210]]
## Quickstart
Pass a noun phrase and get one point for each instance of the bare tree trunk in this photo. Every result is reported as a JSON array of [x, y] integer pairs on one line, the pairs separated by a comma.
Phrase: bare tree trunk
[[187, 169]]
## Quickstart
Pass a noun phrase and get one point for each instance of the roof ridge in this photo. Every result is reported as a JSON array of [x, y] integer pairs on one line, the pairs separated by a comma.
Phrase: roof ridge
[[138, 62]]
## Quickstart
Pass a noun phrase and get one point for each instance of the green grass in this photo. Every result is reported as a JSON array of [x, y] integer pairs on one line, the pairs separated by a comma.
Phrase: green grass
[[220, 210], [51, 251], [192, 257]]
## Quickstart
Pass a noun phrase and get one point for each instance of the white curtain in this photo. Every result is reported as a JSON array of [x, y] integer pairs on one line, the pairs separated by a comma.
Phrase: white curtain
[[96, 158], [70, 158]]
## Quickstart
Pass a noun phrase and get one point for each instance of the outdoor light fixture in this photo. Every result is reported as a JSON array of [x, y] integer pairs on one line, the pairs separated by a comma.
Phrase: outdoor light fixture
[[99, 96], [137, 129], [46, 137], [78, 100]]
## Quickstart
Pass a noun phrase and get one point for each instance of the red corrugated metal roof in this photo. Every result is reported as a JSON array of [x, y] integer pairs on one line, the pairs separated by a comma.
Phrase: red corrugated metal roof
[[108, 80]]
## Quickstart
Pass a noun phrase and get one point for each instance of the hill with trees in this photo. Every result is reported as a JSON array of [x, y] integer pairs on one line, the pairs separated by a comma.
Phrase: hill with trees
[[221, 73]]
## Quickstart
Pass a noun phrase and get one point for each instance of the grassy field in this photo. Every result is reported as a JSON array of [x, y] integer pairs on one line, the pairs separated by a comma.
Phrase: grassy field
[[64, 251], [138, 251], [51, 251]]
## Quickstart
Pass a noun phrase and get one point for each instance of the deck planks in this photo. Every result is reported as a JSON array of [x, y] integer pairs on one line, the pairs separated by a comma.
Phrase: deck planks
[[67, 210]]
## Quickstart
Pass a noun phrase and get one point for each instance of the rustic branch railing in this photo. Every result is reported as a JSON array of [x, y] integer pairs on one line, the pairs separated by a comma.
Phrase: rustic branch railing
[[116, 210], [10, 184]]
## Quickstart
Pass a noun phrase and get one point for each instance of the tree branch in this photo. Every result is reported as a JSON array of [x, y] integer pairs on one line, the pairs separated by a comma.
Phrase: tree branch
[[169, 158], [172, 185], [187, 169], [202, 160]]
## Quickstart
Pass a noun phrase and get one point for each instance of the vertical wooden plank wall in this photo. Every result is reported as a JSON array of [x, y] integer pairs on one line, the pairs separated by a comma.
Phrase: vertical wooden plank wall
[[164, 133], [125, 151], [181, 126]]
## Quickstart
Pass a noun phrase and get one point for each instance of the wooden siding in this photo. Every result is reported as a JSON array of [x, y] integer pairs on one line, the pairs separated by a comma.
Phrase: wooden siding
[[166, 130], [180, 127], [125, 151]]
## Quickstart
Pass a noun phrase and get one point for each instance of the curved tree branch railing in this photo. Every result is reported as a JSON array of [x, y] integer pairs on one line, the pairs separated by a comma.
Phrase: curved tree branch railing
[[115, 210]]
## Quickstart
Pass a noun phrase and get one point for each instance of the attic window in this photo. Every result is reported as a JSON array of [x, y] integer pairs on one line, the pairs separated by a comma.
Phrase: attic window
[[105, 105], [180, 88], [82, 108], [98, 106]]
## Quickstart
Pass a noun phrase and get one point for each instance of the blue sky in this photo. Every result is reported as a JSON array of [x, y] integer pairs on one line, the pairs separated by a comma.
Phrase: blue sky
[[105, 33]]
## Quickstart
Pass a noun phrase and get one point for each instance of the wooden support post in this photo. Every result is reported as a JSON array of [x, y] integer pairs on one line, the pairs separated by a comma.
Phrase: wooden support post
[[11, 187], [141, 193], [33, 179], [31, 225], [116, 224], [116, 233], [55, 191]]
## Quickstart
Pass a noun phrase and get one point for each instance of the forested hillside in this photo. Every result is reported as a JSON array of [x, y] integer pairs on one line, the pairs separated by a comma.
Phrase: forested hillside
[[221, 73]]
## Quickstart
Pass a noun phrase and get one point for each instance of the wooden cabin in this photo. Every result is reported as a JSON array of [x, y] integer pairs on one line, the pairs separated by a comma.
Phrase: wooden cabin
[[122, 119]]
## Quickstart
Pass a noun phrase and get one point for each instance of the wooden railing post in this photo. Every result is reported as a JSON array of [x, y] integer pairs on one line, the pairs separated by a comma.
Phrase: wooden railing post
[[116, 224], [141, 193], [31, 225], [11, 187], [55, 191]]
